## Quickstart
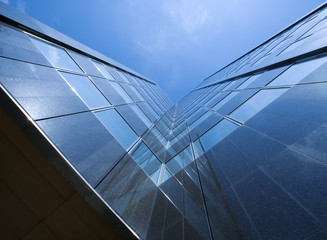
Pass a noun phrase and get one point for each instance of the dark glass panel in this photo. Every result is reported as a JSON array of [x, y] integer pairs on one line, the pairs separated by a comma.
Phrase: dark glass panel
[[85, 142], [319, 235], [15, 44], [173, 190], [245, 228], [234, 163], [303, 178], [195, 216], [156, 225], [302, 102], [256, 146], [314, 144], [41, 91], [273, 212], [131, 193], [286, 130]]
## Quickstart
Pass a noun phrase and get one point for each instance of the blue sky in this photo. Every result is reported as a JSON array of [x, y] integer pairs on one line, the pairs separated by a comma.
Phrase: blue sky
[[176, 43]]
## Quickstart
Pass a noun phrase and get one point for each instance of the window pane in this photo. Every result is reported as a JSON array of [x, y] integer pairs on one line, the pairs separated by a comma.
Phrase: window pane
[[103, 70], [86, 90], [249, 81], [56, 55], [147, 160], [256, 103], [297, 72], [117, 127], [141, 115], [123, 76], [137, 92], [214, 136], [225, 100], [200, 120], [121, 92], [165, 175]]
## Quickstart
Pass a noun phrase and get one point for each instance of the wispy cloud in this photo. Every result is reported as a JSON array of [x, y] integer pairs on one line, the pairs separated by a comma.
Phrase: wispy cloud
[[154, 43], [21, 6], [5, 1], [189, 15]]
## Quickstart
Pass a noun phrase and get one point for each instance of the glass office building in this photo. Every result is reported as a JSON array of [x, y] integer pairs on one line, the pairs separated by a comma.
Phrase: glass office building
[[242, 156]]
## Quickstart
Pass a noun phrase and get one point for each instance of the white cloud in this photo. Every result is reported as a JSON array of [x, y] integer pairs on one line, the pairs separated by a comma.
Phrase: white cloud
[[190, 15], [154, 43], [5, 1]]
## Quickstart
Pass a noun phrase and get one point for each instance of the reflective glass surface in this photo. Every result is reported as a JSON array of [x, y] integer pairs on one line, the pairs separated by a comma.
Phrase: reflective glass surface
[[56, 55], [256, 103], [103, 70], [297, 72], [248, 81], [214, 136], [121, 92], [117, 127], [86, 90], [225, 100], [141, 115], [147, 161], [88, 146]]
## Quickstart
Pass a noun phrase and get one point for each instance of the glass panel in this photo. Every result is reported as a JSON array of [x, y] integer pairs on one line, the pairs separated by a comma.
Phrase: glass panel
[[200, 120], [165, 175], [322, 24], [117, 127], [152, 111], [256, 103], [147, 161], [125, 79], [82, 86], [249, 81], [154, 176], [214, 136], [122, 92], [141, 115], [56, 55], [297, 72], [137, 92], [103, 70], [225, 100], [293, 46]]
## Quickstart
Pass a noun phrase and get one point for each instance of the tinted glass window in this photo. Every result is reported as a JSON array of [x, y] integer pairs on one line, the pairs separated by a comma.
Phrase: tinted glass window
[[141, 115], [249, 81], [256, 103], [86, 90], [147, 161], [117, 127], [121, 92], [214, 136], [225, 100], [297, 72], [56, 55], [103, 70]]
